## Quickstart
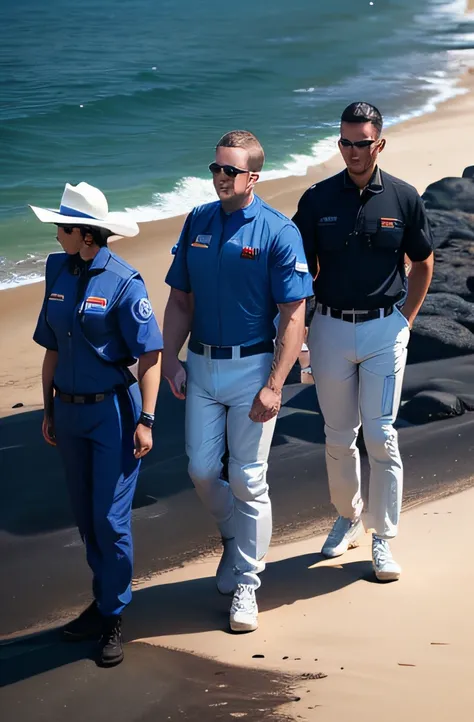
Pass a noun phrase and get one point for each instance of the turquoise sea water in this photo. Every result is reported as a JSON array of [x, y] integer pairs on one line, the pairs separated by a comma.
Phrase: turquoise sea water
[[131, 95]]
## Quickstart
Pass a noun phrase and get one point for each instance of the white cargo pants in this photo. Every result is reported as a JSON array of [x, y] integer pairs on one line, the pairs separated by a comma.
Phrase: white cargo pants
[[220, 393], [358, 371]]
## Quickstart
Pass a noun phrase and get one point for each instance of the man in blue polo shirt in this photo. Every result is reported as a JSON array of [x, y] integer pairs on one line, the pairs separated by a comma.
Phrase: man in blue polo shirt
[[237, 263]]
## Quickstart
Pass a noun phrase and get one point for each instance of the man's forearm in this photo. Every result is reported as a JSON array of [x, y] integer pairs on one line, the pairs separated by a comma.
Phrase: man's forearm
[[288, 343], [177, 322], [149, 374], [49, 366], [418, 284]]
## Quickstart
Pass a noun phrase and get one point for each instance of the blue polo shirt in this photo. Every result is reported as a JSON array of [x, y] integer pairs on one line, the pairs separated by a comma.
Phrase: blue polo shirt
[[239, 266], [98, 318]]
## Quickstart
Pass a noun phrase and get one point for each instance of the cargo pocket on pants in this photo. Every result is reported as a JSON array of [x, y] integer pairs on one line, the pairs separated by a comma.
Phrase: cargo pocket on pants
[[387, 395]]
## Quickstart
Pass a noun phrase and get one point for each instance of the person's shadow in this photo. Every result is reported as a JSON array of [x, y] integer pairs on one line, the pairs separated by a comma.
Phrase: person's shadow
[[182, 608]]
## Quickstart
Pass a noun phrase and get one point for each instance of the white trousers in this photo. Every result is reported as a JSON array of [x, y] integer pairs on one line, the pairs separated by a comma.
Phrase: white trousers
[[358, 371], [218, 400]]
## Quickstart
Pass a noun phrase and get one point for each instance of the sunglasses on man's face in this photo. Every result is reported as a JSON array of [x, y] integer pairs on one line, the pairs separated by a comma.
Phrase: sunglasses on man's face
[[357, 144], [230, 170]]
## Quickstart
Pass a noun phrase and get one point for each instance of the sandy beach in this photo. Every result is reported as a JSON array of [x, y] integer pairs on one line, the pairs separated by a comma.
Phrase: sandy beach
[[396, 651]]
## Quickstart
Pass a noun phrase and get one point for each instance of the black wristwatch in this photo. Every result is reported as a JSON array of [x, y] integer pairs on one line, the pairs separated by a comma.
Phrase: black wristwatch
[[147, 419]]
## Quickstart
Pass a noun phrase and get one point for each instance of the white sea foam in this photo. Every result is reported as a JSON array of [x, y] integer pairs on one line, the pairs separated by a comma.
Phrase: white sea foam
[[191, 191], [14, 281]]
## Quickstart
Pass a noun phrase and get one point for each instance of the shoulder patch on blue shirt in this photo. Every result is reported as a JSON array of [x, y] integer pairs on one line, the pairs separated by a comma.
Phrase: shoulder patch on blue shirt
[[301, 267], [142, 310]]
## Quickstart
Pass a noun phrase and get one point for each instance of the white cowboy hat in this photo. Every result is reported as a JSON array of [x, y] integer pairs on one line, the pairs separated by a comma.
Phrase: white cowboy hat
[[87, 206]]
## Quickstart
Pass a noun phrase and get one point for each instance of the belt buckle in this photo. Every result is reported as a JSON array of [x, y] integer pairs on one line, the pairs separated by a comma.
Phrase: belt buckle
[[206, 350]]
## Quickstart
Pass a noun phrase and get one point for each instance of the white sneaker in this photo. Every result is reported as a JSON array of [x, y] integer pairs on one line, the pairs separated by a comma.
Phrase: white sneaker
[[244, 610], [385, 568], [342, 537], [225, 576]]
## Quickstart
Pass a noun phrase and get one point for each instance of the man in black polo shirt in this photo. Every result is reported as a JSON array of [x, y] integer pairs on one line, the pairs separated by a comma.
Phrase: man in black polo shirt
[[357, 227]]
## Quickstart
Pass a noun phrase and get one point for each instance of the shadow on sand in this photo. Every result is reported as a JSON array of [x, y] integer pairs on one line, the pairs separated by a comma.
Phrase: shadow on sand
[[183, 608]]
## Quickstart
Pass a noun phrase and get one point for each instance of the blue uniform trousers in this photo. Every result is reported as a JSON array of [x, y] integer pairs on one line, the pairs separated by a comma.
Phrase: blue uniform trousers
[[96, 446]]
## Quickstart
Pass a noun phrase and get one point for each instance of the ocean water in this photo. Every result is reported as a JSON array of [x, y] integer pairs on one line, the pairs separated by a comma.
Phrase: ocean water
[[132, 95]]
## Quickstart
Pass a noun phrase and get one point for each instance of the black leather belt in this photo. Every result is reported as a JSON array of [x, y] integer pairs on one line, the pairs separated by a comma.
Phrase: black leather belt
[[225, 352], [354, 316], [83, 398]]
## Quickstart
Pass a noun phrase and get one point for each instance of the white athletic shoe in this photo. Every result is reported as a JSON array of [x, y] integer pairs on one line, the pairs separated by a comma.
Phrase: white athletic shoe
[[385, 568], [244, 610], [342, 537], [225, 576]]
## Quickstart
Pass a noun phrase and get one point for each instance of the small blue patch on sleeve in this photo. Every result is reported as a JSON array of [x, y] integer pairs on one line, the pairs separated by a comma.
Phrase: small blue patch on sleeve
[[142, 310]]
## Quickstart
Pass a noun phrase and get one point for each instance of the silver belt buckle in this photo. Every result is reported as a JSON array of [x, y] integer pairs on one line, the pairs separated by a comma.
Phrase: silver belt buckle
[[206, 350]]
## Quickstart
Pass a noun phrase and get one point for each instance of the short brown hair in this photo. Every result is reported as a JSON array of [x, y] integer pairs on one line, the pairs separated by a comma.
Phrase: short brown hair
[[245, 139]]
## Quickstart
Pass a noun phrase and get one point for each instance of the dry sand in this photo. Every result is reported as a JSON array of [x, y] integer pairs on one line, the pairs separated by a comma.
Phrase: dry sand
[[390, 651]]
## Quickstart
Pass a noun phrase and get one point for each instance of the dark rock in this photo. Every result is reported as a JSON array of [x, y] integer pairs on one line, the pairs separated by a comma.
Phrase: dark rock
[[258, 656], [454, 269], [437, 337], [450, 194], [468, 172], [18, 405], [429, 406], [451, 306], [446, 225]]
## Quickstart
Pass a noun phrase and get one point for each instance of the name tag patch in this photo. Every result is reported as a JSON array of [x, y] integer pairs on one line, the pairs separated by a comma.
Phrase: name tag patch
[[390, 223], [56, 297], [301, 267], [95, 302], [249, 252], [328, 219], [202, 241]]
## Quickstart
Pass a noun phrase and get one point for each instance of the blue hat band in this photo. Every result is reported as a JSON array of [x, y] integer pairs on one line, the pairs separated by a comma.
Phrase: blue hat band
[[66, 211]]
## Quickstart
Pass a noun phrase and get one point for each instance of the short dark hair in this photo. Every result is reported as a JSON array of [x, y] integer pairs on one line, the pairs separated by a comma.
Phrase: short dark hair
[[361, 112], [100, 236], [246, 140]]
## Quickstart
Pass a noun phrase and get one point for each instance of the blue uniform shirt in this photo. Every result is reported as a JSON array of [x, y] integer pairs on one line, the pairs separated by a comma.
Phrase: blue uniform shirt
[[238, 267], [99, 319]]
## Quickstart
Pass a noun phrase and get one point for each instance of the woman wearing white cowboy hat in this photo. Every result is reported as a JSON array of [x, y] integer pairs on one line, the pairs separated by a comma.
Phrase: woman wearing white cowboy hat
[[96, 320]]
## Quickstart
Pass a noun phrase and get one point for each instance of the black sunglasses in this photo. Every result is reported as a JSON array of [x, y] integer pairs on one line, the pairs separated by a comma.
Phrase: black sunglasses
[[230, 170], [357, 144]]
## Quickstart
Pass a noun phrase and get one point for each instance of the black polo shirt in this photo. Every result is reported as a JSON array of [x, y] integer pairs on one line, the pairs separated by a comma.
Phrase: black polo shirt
[[358, 240]]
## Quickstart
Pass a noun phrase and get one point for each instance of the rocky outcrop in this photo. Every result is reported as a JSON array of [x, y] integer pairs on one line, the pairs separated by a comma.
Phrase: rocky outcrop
[[445, 325]]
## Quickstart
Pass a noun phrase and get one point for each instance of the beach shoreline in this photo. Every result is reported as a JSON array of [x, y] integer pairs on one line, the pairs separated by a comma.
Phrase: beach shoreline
[[420, 151]]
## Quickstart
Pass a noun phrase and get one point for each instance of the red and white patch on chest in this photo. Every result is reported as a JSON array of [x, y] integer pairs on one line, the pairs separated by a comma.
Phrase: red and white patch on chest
[[95, 302]]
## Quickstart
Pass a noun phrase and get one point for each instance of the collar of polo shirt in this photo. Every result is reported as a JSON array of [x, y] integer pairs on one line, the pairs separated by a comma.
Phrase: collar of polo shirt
[[375, 185], [249, 211]]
